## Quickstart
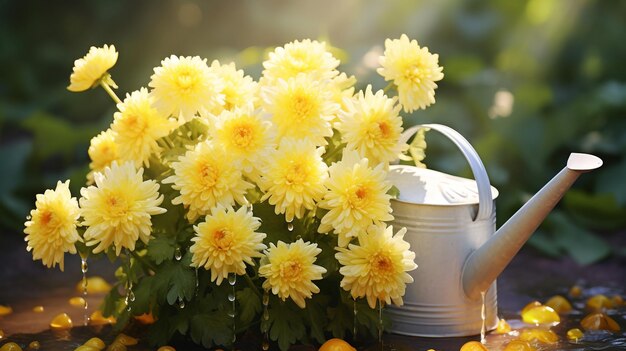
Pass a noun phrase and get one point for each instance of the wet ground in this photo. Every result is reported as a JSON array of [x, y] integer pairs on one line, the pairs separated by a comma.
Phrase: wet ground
[[25, 284]]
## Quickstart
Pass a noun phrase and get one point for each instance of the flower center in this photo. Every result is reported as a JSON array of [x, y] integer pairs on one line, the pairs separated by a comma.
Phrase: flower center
[[185, 81], [135, 124], [46, 217], [302, 106], [296, 174], [117, 206], [208, 174], [381, 264], [242, 136], [290, 270], [384, 129], [359, 197], [415, 73], [223, 239]]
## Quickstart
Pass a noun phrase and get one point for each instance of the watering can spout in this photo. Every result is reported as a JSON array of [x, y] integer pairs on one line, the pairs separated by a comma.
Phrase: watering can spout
[[485, 264]]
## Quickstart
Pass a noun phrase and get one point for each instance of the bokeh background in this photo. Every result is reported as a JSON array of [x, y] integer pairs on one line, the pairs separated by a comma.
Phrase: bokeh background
[[527, 82]]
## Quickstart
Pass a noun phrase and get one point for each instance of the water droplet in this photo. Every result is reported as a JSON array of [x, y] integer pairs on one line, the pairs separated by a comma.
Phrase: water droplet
[[29, 217], [290, 226], [266, 298], [128, 308], [177, 254], [83, 265], [232, 279], [234, 337], [298, 237], [483, 328], [231, 297], [197, 281], [181, 302], [231, 314], [131, 296], [265, 346]]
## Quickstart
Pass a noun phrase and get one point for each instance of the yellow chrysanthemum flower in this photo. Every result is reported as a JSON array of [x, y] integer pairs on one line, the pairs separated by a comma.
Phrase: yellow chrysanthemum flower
[[372, 126], [238, 89], [289, 271], [137, 128], [300, 107], [377, 267], [413, 69], [357, 197], [118, 209], [206, 177], [245, 136], [308, 57], [184, 86], [294, 178], [89, 70], [226, 241], [102, 151], [342, 90], [51, 228]]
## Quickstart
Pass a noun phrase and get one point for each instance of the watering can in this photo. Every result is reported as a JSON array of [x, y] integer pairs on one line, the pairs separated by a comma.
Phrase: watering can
[[450, 225]]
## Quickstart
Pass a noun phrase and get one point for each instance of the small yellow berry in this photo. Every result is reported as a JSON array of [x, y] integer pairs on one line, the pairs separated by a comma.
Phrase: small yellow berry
[[38, 309], [599, 321], [116, 346], [503, 327], [336, 345], [95, 342], [5, 310], [95, 285], [166, 348], [559, 304], [77, 301], [575, 291], [530, 306], [541, 315], [126, 340], [598, 303], [61, 321], [544, 336], [617, 301], [574, 334], [34, 345], [97, 318], [473, 346], [10, 346], [519, 345]]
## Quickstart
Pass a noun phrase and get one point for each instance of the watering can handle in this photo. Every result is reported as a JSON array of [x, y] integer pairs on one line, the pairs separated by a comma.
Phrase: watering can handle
[[485, 198]]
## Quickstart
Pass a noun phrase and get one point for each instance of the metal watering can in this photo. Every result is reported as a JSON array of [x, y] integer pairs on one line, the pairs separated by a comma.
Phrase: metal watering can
[[450, 225]]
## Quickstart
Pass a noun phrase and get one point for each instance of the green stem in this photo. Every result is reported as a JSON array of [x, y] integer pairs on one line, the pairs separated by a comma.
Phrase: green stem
[[251, 283], [388, 87], [143, 261], [110, 91]]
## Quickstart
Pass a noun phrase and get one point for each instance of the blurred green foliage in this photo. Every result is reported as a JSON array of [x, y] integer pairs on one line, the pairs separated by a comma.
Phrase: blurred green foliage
[[526, 82]]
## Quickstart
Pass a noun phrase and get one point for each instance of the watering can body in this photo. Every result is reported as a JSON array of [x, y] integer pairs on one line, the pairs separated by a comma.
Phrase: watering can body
[[450, 224]]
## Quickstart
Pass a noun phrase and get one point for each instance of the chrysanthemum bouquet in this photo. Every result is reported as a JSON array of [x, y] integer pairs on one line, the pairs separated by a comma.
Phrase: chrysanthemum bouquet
[[237, 206]]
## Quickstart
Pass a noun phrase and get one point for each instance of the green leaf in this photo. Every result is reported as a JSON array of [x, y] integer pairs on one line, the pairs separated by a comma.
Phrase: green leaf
[[340, 320], [584, 247], [143, 296], [611, 181], [211, 329], [249, 305], [54, 135], [598, 211], [161, 248], [286, 324], [545, 244], [182, 285], [317, 316]]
